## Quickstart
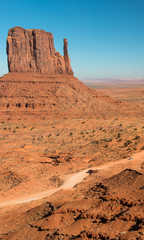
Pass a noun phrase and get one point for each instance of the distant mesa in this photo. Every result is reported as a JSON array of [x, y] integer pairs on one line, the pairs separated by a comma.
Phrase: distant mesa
[[33, 51]]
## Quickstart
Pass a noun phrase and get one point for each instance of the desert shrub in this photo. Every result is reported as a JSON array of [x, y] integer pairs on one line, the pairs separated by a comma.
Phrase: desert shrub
[[127, 143], [95, 142], [142, 148], [71, 168], [106, 146], [71, 134], [118, 135], [5, 128], [56, 180], [107, 140], [136, 138], [119, 140]]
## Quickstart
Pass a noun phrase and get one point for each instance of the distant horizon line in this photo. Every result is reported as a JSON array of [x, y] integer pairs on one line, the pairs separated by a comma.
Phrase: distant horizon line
[[112, 79]]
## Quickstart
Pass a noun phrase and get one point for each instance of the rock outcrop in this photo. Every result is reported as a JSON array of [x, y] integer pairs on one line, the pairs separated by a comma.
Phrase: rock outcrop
[[33, 51]]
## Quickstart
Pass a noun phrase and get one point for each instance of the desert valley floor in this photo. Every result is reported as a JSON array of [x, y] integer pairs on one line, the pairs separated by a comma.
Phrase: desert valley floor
[[46, 191]]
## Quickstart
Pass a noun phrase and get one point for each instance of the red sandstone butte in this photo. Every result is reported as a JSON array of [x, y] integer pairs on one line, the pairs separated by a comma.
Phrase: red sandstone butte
[[33, 51]]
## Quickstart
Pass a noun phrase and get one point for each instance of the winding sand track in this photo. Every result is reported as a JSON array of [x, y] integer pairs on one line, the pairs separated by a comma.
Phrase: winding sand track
[[72, 180]]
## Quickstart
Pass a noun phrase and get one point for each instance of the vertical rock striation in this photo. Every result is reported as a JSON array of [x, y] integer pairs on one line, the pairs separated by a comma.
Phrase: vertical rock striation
[[33, 51]]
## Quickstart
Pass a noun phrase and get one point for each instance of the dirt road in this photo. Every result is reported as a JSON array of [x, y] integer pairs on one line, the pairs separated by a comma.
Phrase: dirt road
[[74, 179]]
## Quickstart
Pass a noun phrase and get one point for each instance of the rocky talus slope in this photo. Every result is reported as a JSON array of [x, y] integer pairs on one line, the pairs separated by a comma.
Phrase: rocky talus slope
[[58, 96]]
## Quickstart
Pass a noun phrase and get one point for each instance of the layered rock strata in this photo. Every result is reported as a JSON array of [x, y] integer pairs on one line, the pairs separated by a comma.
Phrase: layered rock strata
[[58, 96], [33, 51]]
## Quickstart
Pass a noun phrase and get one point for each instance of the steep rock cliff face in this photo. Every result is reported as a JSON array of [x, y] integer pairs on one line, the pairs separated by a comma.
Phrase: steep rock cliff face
[[33, 51]]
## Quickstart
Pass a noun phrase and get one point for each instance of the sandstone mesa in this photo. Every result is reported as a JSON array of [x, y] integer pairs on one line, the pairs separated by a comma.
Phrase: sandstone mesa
[[41, 79], [33, 51]]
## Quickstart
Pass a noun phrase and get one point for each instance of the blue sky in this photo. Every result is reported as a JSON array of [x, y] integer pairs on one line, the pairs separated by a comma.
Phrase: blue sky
[[106, 37]]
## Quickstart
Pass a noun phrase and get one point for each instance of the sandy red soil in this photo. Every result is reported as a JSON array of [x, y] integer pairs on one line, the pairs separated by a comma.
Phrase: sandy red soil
[[40, 153]]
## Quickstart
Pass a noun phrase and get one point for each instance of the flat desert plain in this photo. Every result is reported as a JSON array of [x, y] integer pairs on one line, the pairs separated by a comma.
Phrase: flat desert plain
[[129, 92]]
